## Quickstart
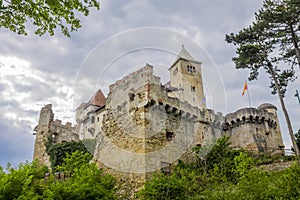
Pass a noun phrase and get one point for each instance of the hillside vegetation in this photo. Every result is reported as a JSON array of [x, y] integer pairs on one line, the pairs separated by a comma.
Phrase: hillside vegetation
[[223, 173]]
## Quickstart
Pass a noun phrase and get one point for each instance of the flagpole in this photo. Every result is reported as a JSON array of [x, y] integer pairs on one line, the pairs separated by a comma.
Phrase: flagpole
[[249, 97], [248, 94]]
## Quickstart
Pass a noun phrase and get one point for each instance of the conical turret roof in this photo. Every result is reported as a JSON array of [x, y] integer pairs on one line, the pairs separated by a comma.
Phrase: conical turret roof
[[185, 54]]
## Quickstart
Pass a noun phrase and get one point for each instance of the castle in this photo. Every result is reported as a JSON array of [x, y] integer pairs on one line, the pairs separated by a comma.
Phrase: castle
[[143, 126]]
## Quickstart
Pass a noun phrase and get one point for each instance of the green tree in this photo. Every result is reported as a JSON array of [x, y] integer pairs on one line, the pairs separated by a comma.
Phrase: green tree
[[58, 152], [183, 183], [46, 16], [75, 160], [219, 159], [281, 20], [86, 181], [207, 177], [24, 182], [259, 48]]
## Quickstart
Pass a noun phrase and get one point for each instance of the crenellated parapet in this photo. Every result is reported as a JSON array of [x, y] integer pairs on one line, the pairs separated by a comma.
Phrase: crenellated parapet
[[137, 78], [250, 115], [63, 132]]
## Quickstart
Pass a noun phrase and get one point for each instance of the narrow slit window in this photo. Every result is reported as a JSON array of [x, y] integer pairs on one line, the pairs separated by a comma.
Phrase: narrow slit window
[[169, 135], [193, 88]]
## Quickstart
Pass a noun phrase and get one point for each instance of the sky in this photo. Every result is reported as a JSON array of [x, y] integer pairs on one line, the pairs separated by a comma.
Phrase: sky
[[117, 40]]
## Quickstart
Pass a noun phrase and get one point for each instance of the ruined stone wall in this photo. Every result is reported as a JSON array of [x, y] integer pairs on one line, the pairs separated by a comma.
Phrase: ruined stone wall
[[42, 133], [63, 132], [46, 128]]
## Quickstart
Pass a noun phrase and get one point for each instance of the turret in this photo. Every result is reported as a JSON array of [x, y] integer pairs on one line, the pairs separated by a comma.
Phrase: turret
[[186, 75], [42, 133]]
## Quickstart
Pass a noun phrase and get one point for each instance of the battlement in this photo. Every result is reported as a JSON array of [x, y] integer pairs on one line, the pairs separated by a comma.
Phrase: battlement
[[67, 125], [250, 115], [47, 107], [145, 73]]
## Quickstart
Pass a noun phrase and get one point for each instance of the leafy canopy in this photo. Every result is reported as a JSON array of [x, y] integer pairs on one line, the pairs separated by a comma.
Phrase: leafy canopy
[[58, 152], [45, 15], [271, 43], [241, 180], [86, 181]]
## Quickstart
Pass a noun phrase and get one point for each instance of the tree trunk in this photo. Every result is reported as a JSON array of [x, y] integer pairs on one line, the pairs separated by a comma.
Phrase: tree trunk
[[295, 43], [286, 115], [298, 55]]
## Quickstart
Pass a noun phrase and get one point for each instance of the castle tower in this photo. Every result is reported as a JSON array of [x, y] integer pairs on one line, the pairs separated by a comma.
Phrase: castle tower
[[185, 74], [42, 132]]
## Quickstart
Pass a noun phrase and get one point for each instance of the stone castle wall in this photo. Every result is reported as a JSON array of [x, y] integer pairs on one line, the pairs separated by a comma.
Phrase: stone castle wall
[[255, 130]]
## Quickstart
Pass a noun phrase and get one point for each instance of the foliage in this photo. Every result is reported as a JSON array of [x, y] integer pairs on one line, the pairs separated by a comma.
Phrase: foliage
[[86, 182], [183, 183], [215, 169], [58, 152], [256, 51], [198, 181], [191, 181], [74, 161], [219, 159], [281, 22], [22, 183], [46, 16], [297, 136]]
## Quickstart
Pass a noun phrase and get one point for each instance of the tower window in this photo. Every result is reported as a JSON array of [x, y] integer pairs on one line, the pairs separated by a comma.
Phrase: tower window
[[92, 119], [131, 96], [169, 135], [193, 88], [191, 69], [175, 71]]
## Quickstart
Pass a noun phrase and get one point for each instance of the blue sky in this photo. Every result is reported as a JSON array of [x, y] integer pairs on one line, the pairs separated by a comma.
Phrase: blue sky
[[35, 71]]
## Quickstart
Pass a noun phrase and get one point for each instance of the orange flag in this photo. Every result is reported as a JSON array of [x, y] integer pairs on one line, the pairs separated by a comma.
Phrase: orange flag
[[245, 88]]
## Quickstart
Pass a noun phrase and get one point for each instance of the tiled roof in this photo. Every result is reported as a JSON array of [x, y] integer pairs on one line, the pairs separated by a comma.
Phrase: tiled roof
[[98, 99], [81, 106]]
